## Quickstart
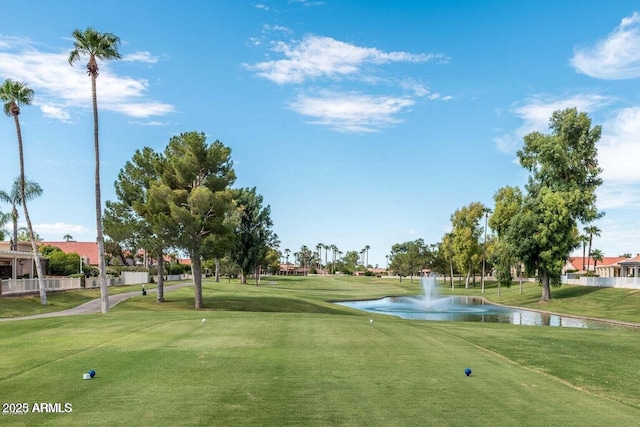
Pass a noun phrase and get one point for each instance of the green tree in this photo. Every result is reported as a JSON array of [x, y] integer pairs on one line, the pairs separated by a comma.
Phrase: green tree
[[272, 260], [591, 230], [409, 258], [584, 239], [103, 46], [142, 216], [466, 232], [508, 202], [319, 248], [14, 197], [564, 176], [350, 262], [304, 258], [25, 236], [13, 95], [597, 256], [195, 184], [446, 246], [62, 264], [254, 235]]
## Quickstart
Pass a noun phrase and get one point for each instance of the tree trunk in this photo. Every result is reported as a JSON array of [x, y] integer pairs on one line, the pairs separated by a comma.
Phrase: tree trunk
[[589, 253], [160, 276], [196, 270], [217, 270], [104, 291], [546, 288], [520, 279], [451, 269], [14, 217], [466, 280], [34, 247]]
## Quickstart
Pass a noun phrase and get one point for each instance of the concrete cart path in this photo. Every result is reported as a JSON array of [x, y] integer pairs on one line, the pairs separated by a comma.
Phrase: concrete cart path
[[94, 306]]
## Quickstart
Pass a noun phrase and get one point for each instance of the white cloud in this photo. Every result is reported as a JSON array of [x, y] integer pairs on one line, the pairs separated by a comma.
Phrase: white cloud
[[140, 57], [150, 123], [615, 57], [619, 147], [262, 6], [147, 109], [324, 59], [56, 231], [317, 56], [60, 88], [535, 113], [54, 112], [351, 112]]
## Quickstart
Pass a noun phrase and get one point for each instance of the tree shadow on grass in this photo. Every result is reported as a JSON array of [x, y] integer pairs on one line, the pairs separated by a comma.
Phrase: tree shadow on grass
[[564, 292], [268, 305]]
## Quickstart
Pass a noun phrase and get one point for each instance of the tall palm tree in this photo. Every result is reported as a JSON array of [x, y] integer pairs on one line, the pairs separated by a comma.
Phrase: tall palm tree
[[13, 95], [14, 197], [584, 239], [287, 252], [591, 230], [103, 46], [334, 249], [319, 247]]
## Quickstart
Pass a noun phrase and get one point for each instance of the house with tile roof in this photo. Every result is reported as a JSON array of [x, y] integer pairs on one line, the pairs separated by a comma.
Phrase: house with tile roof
[[88, 251]]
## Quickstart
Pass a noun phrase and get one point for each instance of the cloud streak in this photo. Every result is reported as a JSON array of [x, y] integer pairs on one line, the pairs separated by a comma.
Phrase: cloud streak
[[60, 88], [316, 57], [615, 57], [324, 60], [351, 112]]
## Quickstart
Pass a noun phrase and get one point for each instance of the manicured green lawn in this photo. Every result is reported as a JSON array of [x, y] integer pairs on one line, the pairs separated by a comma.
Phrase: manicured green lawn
[[279, 355]]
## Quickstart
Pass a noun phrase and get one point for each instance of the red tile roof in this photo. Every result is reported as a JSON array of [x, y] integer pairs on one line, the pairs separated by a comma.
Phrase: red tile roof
[[576, 261], [84, 249]]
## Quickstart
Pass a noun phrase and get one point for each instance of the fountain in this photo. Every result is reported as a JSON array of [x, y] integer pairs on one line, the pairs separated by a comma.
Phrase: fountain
[[431, 306]]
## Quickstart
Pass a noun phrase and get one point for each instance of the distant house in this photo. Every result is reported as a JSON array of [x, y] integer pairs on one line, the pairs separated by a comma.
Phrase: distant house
[[19, 263], [613, 266], [88, 251]]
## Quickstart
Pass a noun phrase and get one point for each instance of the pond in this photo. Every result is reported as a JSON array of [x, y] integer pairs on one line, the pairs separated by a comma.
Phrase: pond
[[466, 309]]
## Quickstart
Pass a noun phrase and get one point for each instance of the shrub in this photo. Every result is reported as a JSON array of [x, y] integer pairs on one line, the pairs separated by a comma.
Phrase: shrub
[[61, 264]]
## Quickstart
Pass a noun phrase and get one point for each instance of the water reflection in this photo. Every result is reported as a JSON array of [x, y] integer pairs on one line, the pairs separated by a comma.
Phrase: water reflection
[[468, 309]]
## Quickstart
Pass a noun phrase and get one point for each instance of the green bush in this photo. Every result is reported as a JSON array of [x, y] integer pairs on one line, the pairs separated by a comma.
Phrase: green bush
[[61, 264]]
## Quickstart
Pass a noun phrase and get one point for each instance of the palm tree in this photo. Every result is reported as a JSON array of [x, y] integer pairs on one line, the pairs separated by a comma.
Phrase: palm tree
[[319, 247], [103, 46], [584, 239], [597, 255], [287, 252], [13, 95], [14, 197], [591, 230], [334, 249]]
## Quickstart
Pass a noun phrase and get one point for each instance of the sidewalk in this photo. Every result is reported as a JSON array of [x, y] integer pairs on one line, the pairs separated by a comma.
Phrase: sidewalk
[[94, 306]]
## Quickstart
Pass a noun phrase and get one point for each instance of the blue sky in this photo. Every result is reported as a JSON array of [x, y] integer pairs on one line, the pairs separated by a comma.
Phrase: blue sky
[[361, 123]]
